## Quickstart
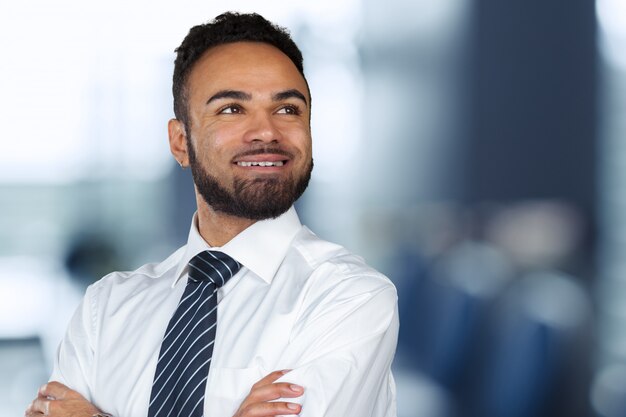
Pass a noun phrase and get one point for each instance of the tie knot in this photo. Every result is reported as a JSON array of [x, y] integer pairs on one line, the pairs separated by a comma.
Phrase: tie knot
[[213, 266]]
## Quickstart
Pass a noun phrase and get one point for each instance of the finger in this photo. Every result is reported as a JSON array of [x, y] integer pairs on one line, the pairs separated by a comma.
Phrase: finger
[[274, 392], [31, 412], [271, 377], [271, 392], [271, 409], [56, 390], [39, 405]]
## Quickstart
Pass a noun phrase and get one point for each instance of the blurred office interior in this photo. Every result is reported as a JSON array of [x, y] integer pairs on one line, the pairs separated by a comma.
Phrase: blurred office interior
[[471, 150]]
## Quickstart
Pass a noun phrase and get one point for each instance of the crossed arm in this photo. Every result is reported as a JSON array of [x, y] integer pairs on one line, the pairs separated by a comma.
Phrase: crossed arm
[[57, 400], [340, 353]]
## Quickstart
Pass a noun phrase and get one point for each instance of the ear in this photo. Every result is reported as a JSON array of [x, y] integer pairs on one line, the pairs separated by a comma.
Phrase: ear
[[178, 141]]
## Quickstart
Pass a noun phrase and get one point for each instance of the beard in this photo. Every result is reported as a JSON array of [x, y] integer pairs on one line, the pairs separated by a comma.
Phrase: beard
[[254, 199]]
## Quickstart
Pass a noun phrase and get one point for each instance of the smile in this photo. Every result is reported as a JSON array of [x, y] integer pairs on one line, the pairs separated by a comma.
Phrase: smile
[[260, 163]]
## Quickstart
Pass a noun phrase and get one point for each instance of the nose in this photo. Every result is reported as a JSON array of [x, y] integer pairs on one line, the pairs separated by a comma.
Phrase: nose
[[262, 128]]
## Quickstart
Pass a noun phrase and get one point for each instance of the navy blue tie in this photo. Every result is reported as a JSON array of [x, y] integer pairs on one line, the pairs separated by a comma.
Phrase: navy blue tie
[[187, 347]]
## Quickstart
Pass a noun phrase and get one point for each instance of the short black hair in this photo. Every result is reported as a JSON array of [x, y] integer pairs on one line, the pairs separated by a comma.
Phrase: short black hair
[[226, 28]]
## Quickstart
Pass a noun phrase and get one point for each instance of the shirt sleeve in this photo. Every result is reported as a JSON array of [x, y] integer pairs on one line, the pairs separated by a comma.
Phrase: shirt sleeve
[[342, 349], [74, 358]]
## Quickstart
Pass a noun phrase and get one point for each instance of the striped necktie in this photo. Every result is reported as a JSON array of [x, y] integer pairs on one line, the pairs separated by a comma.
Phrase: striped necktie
[[187, 347]]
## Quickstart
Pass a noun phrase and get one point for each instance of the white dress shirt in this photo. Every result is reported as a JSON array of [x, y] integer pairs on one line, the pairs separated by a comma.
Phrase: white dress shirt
[[298, 303]]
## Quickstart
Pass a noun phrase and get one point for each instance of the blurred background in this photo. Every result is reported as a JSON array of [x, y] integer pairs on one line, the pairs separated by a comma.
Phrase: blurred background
[[471, 150]]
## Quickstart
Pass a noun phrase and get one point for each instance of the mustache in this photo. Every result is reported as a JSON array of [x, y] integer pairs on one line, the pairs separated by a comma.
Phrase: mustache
[[267, 149]]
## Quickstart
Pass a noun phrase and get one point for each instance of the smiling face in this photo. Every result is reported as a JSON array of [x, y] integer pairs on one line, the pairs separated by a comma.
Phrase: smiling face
[[248, 137]]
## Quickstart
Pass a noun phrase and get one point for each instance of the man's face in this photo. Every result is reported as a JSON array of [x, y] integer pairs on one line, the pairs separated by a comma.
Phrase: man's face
[[248, 136]]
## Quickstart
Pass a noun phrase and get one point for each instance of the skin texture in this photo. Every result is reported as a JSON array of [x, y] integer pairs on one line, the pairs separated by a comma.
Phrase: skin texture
[[221, 131], [55, 399]]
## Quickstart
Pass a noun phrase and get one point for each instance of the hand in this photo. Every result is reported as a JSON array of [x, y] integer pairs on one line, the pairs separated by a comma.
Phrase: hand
[[259, 402], [56, 400]]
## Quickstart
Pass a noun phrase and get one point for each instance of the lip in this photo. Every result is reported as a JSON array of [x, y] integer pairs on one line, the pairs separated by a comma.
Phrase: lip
[[269, 157], [266, 157]]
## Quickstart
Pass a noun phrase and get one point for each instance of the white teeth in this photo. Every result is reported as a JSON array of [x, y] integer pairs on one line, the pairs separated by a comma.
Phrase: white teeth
[[261, 163]]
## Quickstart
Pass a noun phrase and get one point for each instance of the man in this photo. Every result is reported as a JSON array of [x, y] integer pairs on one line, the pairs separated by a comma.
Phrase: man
[[303, 326]]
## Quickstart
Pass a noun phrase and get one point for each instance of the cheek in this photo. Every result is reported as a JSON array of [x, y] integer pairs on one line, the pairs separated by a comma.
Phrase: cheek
[[211, 143], [223, 136], [307, 146], [300, 137]]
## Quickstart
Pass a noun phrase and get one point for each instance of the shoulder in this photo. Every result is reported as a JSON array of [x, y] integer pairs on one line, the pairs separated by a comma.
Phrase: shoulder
[[340, 290], [144, 277], [335, 271]]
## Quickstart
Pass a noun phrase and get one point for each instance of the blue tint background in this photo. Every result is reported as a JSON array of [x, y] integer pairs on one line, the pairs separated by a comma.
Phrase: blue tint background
[[471, 150]]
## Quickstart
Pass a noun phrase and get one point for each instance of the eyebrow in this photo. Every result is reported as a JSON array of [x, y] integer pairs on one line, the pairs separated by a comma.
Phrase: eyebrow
[[232, 94], [240, 95], [293, 93]]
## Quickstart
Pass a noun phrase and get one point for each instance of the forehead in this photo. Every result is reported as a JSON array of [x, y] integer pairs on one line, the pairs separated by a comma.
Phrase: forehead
[[253, 67]]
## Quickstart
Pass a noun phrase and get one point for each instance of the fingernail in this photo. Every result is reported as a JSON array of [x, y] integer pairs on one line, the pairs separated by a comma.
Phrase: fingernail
[[43, 388], [284, 371], [293, 406], [296, 388]]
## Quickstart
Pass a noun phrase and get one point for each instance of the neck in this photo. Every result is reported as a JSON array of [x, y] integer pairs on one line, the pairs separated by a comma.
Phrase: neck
[[218, 228]]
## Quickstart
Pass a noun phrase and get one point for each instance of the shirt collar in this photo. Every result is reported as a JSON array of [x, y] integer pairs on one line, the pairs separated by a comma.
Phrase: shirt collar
[[261, 247]]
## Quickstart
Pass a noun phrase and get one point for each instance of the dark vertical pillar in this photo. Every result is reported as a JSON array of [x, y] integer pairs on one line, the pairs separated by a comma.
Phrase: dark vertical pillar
[[533, 103], [533, 131]]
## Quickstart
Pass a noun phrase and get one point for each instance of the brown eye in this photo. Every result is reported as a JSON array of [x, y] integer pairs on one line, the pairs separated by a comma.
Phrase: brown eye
[[231, 109], [291, 109]]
